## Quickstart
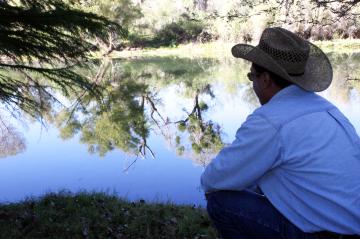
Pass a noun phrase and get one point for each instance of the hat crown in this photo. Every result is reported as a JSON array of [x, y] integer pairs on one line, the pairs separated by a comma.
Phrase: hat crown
[[289, 57], [287, 49]]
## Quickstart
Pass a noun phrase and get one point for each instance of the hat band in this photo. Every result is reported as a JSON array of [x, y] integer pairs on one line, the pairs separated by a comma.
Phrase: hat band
[[300, 74]]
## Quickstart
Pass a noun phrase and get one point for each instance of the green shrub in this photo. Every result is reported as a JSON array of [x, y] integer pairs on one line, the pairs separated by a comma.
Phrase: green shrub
[[178, 32]]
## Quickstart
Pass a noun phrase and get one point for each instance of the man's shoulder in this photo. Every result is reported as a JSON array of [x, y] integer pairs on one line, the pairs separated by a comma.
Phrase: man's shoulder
[[291, 105]]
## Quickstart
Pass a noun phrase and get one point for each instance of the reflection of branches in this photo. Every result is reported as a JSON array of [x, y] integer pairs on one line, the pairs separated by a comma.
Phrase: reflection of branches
[[204, 136], [35, 38], [142, 152], [162, 124], [153, 109], [198, 107], [130, 110], [143, 146], [129, 166], [196, 112], [34, 93], [11, 141]]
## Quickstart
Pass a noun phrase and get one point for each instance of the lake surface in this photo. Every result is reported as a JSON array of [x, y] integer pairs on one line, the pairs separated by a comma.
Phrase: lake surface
[[161, 120]]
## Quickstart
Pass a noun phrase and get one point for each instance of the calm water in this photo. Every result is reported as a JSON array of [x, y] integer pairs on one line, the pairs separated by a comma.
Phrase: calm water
[[161, 120]]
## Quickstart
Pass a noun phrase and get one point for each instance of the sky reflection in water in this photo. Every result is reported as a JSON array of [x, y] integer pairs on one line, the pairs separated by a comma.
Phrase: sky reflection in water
[[51, 164]]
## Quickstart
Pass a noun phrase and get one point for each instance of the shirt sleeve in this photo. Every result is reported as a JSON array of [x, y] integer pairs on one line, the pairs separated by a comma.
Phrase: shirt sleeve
[[255, 150]]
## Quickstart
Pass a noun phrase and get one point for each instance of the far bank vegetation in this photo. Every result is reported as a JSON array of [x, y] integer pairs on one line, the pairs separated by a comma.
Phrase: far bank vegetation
[[154, 23]]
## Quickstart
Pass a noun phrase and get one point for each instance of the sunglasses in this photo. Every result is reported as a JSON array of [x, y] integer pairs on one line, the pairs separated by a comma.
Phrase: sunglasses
[[251, 75]]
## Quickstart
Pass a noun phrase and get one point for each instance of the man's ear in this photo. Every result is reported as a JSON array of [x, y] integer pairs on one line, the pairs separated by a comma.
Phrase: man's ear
[[266, 80]]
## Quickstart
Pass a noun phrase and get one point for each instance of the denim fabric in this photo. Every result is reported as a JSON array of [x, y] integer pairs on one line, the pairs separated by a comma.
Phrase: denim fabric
[[249, 215]]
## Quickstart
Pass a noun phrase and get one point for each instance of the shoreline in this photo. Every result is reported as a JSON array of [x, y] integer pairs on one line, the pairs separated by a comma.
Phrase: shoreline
[[101, 215], [218, 49]]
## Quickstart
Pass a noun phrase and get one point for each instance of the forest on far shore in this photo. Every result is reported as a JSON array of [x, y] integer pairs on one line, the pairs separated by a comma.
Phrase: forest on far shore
[[154, 23]]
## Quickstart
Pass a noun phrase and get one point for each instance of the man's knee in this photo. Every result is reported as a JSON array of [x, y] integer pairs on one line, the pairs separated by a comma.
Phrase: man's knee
[[231, 205], [222, 203], [244, 214], [212, 205]]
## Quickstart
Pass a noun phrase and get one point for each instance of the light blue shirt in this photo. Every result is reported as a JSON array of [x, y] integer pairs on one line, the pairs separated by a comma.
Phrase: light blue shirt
[[304, 154]]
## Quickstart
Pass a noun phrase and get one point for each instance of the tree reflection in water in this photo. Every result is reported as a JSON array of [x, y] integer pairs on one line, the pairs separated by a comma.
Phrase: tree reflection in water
[[128, 111], [12, 142], [132, 107], [203, 135]]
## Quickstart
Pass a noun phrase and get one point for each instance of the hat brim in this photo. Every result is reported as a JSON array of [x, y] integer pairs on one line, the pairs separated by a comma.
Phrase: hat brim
[[318, 71]]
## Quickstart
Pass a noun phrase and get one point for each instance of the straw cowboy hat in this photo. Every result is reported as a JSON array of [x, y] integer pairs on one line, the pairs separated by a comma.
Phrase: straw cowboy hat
[[290, 57]]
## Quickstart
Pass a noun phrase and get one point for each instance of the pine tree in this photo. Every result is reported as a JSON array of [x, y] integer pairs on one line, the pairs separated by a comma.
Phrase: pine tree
[[40, 42]]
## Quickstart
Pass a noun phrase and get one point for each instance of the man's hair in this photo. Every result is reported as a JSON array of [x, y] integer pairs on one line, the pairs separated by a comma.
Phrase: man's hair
[[279, 81]]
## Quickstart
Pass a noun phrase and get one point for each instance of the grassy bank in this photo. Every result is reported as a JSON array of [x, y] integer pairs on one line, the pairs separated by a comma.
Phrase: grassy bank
[[190, 50], [222, 49], [97, 215], [347, 46]]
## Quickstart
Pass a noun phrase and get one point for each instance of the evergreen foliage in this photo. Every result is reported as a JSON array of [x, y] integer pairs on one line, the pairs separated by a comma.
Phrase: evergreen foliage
[[40, 41]]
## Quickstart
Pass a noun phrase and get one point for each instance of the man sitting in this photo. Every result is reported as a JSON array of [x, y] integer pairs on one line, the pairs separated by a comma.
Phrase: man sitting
[[297, 150]]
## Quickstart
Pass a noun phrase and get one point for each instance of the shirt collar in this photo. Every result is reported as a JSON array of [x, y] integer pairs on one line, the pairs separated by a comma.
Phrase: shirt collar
[[290, 90]]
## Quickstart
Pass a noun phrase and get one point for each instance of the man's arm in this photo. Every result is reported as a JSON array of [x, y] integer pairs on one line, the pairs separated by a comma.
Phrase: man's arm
[[256, 150]]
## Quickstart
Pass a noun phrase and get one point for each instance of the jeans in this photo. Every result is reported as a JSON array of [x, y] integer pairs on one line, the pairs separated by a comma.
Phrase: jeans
[[249, 215]]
